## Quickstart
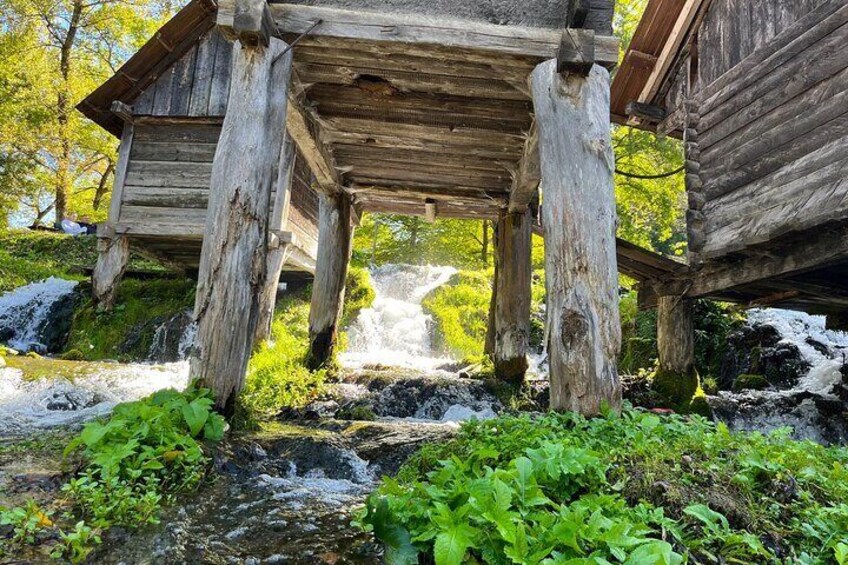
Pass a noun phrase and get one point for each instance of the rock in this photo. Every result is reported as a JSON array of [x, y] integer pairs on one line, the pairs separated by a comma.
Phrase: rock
[[66, 401], [757, 350], [171, 338], [321, 409]]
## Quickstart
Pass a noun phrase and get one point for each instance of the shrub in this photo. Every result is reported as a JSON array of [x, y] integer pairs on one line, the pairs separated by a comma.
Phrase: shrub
[[461, 311], [359, 294], [634, 489]]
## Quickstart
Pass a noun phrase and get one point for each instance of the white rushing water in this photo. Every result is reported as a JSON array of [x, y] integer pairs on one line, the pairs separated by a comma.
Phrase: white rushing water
[[29, 405], [396, 331], [25, 312], [801, 330]]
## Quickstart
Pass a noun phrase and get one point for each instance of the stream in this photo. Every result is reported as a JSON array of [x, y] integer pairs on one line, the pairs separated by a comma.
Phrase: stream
[[287, 494]]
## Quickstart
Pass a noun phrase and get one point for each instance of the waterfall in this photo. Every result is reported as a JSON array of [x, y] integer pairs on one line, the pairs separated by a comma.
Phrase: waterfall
[[395, 330], [814, 407], [27, 314]]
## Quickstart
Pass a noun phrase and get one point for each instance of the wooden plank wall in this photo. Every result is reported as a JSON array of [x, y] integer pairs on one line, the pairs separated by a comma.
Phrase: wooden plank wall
[[166, 189], [773, 129], [198, 84]]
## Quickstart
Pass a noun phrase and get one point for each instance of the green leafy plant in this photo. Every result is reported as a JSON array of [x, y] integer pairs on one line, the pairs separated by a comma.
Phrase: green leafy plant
[[26, 522], [76, 545], [635, 489]]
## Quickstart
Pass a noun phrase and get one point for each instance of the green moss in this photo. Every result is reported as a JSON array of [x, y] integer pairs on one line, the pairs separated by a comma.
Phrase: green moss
[[72, 355], [460, 310], [750, 382], [126, 333], [357, 413], [676, 390], [359, 294]]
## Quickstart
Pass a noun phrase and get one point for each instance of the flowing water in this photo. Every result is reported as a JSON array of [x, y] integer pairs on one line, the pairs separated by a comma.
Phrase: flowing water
[[815, 406], [26, 313], [396, 331]]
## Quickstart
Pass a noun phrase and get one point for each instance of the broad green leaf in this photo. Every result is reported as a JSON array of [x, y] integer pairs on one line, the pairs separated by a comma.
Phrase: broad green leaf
[[195, 415], [451, 545]]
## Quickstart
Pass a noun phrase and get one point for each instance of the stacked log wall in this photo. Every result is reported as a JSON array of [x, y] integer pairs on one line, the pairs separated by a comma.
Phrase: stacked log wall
[[772, 100]]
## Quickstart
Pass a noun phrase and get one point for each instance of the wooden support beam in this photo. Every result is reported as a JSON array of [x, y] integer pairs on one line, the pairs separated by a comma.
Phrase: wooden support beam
[[525, 184], [123, 111], [578, 12], [576, 52], [446, 33], [305, 130], [248, 21], [575, 147], [335, 243], [113, 253], [233, 263], [430, 210], [512, 295], [280, 242], [646, 112], [676, 334], [640, 60]]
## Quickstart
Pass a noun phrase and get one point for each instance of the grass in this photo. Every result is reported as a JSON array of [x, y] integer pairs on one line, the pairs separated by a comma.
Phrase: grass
[[460, 310], [634, 488], [126, 333]]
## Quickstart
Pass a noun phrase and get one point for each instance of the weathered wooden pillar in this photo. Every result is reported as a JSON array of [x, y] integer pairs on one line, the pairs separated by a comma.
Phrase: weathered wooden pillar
[[278, 248], [113, 253], [233, 265], [676, 381], [335, 241], [512, 306], [577, 163]]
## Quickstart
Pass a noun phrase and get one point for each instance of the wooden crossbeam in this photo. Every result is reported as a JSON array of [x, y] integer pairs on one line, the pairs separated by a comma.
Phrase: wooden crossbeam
[[423, 30], [528, 174], [248, 21]]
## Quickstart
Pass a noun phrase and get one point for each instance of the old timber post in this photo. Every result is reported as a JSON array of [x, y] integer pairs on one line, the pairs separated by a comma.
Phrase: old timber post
[[335, 243], [278, 248], [512, 295], [113, 253], [233, 265], [577, 163], [676, 381]]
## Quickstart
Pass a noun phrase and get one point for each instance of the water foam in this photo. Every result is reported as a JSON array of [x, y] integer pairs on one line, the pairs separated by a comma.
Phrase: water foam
[[396, 331], [25, 312]]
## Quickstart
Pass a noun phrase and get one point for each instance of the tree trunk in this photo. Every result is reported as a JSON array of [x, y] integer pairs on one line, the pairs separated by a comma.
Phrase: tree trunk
[[491, 329], [584, 336], [233, 263], [278, 251], [103, 186], [113, 252], [335, 240], [63, 114], [512, 307], [484, 252]]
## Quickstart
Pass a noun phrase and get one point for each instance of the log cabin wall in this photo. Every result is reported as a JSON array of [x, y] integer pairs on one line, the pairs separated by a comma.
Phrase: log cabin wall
[[771, 98], [165, 190]]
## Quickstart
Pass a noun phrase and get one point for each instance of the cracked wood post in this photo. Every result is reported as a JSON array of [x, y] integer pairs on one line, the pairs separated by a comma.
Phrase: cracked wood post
[[335, 243], [278, 250], [584, 335], [512, 288], [113, 253], [233, 264], [676, 381]]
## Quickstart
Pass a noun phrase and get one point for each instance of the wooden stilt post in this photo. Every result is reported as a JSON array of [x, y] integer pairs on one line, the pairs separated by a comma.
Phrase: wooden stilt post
[[676, 381], [233, 265], [577, 163], [512, 308], [113, 252], [335, 240], [278, 249]]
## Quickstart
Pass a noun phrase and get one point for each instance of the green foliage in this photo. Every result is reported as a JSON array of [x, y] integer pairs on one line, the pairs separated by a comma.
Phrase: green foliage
[[25, 521], [638, 336], [359, 294], [76, 545], [276, 377], [126, 333], [461, 310], [750, 382], [146, 451], [633, 489]]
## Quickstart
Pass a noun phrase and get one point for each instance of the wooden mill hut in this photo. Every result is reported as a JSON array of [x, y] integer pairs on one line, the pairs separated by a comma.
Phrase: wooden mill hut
[[758, 91], [436, 108]]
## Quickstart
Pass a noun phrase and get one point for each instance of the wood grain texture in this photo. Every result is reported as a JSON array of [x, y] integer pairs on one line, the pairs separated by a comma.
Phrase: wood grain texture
[[335, 244], [233, 265], [676, 334], [577, 163], [113, 253]]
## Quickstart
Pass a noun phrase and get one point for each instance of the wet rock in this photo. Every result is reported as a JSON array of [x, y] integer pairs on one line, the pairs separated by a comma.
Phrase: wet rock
[[38, 317], [71, 400], [172, 338], [321, 409], [811, 416], [757, 349], [431, 398]]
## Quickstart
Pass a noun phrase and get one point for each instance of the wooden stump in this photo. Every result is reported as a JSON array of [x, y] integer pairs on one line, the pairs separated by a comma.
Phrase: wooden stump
[[584, 335], [335, 240], [676, 334], [512, 306], [278, 250], [233, 264], [113, 252]]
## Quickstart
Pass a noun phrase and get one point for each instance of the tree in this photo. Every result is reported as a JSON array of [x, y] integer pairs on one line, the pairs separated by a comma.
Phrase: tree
[[53, 53]]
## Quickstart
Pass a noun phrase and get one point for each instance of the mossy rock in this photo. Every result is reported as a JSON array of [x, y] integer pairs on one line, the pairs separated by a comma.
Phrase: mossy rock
[[750, 382], [681, 392], [72, 355]]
